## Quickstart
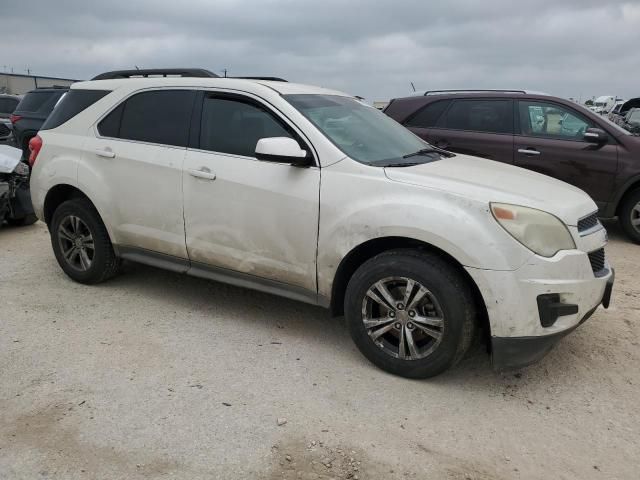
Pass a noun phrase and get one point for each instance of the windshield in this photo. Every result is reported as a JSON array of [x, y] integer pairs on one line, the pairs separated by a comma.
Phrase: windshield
[[363, 133], [634, 117]]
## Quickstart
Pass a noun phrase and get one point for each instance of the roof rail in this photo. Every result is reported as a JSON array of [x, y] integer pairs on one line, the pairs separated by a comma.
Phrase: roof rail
[[156, 72], [270, 79], [437, 92]]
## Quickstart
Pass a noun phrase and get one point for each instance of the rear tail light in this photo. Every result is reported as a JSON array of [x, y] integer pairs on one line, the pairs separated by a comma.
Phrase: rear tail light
[[35, 144], [14, 118]]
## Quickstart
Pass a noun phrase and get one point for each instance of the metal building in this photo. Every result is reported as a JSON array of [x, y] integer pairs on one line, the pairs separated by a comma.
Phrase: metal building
[[17, 84]]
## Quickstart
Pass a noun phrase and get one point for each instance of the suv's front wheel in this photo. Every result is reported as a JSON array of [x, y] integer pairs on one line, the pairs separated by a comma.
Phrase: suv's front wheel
[[630, 215], [410, 313], [81, 243]]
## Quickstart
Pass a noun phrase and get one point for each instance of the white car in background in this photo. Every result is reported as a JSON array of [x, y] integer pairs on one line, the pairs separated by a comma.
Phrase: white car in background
[[308, 193]]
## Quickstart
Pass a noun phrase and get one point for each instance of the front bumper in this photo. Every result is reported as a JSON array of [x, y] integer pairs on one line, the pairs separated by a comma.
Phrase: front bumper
[[521, 332], [518, 352]]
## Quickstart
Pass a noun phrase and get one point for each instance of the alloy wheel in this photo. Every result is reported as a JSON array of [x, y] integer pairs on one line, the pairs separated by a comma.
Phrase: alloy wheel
[[635, 217], [403, 318], [76, 243]]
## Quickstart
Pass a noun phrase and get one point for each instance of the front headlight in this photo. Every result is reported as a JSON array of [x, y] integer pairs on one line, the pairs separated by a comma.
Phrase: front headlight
[[539, 231], [21, 169]]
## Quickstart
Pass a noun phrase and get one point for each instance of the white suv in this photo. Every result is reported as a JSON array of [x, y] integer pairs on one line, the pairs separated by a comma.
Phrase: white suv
[[310, 194]]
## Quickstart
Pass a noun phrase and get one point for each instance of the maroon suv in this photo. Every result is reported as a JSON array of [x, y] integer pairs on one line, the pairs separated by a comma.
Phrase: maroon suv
[[547, 134]]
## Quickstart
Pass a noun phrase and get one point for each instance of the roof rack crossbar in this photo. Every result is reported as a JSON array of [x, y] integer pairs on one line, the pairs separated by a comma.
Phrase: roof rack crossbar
[[157, 72], [456, 90], [270, 79]]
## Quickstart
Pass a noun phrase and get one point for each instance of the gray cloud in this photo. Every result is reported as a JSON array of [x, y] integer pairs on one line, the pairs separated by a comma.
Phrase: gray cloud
[[374, 49]]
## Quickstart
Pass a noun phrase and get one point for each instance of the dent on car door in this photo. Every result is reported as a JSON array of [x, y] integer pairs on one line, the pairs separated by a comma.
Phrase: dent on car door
[[551, 141], [479, 127], [245, 215], [134, 167]]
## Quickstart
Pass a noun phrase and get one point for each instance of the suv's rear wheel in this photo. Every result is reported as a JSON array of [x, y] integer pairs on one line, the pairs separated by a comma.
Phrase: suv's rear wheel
[[630, 215], [410, 313], [81, 243]]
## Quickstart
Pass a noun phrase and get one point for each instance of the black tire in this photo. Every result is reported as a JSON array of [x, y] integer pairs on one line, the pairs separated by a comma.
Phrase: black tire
[[450, 291], [630, 213], [104, 263], [24, 221]]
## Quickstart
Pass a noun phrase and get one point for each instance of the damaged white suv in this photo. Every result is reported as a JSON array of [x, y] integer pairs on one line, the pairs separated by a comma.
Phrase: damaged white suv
[[310, 194]]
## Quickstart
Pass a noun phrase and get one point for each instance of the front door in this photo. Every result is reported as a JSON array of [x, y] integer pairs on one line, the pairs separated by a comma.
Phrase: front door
[[245, 215], [551, 141]]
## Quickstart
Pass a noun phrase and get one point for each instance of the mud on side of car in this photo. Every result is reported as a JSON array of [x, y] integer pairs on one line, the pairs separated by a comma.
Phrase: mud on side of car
[[310, 194]]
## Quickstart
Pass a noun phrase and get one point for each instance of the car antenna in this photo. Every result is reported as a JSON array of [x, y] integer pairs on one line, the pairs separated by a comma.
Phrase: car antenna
[[413, 86]]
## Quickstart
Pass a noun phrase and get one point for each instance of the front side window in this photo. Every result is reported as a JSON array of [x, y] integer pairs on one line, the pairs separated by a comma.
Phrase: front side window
[[234, 126], [159, 116], [362, 132], [490, 116], [539, 119]]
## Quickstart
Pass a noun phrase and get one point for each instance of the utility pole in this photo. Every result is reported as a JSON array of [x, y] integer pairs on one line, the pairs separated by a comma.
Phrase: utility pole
[[224, 70]]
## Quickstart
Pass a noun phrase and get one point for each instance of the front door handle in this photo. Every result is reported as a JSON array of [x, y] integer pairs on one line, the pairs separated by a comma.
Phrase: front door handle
[[203, 172], [106, 153], [528, 151]]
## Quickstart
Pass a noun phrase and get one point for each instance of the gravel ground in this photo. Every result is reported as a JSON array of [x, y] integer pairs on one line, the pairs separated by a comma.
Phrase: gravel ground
[[158, 375]]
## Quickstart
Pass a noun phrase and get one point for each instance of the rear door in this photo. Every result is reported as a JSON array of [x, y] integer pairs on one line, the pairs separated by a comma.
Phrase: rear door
[[245, 215], [134, 165], [478, 127], [550, 140]]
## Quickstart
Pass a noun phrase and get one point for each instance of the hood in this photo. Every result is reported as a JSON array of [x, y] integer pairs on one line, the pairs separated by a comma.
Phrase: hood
[[488, 181], [9, 158]]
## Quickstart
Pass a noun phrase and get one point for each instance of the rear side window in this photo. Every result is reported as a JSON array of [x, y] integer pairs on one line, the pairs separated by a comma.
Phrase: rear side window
[[491, 116], [161, 116], [8, 105], [40, 102], [235, 126], [429, 115], [73, 102]]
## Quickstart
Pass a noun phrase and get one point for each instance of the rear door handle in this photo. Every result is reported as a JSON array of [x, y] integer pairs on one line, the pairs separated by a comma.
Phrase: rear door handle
[[203, 172], [528, 151], [106, 153]]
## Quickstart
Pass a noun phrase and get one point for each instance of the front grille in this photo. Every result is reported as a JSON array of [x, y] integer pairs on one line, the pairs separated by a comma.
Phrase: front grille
[[4, 130], [588, 222], [597, 262]]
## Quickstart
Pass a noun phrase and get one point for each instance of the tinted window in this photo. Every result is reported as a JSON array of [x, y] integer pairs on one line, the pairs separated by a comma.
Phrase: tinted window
[[7, 105], [234, 126], [429, 115], [73, 102], [110, 125], [493, 116], [161, 116], [41, 102], [539, 119]]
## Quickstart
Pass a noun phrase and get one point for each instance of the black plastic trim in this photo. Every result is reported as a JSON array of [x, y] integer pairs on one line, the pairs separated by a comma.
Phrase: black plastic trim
[[550, 308], [182, 72]]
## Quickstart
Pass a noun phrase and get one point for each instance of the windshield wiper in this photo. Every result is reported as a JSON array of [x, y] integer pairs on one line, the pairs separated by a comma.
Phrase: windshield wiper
[[407, 164], [424, 151]]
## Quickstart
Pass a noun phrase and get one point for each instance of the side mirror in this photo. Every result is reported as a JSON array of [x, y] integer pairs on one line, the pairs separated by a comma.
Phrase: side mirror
[[282, 150], [595, 135]]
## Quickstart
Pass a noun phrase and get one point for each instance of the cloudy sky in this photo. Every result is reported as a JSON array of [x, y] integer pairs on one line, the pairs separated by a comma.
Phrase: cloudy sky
[[372, 48]]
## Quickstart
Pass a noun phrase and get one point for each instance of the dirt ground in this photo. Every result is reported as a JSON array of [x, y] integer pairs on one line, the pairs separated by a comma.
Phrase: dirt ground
[[158, 375]]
